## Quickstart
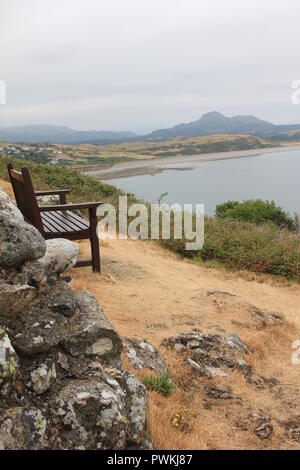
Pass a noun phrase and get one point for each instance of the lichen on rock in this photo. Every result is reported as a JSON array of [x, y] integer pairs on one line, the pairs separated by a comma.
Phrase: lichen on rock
[[211, 355], [9, 365], [141, 355]]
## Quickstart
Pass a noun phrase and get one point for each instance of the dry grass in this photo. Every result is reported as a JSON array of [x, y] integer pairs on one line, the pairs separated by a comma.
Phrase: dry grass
[[148, 292], [6, 186]]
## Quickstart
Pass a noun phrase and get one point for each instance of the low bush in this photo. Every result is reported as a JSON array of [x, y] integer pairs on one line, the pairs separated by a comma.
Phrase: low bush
[[239, 245], [257, 211]]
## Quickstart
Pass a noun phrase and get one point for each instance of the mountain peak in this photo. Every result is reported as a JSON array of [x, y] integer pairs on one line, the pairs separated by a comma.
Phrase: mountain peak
[[215, 122], [212, 115]]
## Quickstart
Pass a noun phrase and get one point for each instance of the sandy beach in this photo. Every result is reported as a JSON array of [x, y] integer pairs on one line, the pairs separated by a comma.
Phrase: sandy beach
[[158, 165]]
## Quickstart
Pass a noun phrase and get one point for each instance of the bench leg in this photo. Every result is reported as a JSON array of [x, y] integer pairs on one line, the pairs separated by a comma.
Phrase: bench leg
[[95, 249], [95, 254]]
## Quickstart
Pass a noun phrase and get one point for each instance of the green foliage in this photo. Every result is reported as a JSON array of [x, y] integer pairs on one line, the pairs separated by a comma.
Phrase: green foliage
[[84, 188], [41, 157], [160, 383], [257, 211], [244, 245]]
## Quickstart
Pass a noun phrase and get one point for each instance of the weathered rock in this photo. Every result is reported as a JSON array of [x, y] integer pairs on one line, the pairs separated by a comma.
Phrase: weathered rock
[[292, 427], [136, 403], [8, 207], [142, 355], [91, 334], [63, 361], [9, 365], [40, 375], [61, 298], [266, 318], [217, 293], [90, 415], [38, 332], [209, 371], [264, 428], [60, 256], [48, 200], [212, 355], [235, 343], [26, 274], [22, 428], [13, 300], [57, 387], [219, 393], [134, 394], [19, 241]]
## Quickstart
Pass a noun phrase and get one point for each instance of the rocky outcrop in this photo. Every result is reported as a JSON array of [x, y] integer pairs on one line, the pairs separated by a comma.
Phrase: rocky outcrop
[[61, 255], [22, 428], [9, 366], [91, 334], [143, 355], [62, 385], [211, 355], [19, 242]]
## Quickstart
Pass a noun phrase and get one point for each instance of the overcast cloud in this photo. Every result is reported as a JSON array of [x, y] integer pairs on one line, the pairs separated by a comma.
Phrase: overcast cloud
[[144, 64]]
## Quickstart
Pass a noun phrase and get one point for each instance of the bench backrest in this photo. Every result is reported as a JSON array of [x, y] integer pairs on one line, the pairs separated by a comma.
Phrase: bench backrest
[[25, 196]]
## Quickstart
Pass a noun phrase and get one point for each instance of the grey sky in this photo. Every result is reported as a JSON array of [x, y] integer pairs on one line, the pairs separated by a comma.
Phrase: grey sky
[[144, 64]]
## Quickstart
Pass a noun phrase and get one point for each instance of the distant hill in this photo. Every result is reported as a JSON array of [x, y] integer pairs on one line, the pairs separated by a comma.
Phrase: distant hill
[[38, 133], [212, 123], [216, 123]]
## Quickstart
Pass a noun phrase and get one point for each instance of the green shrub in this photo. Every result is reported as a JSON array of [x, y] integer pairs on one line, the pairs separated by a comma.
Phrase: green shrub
[[257, 211], [240, 245], [160, 383]]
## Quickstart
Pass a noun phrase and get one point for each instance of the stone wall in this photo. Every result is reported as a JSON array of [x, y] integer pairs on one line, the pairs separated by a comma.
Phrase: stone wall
[[61, 380]]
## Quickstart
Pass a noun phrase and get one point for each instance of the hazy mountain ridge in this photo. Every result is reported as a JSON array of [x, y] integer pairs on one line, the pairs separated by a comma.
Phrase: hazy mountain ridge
[[39, 133], [216, 123], [211, 123]]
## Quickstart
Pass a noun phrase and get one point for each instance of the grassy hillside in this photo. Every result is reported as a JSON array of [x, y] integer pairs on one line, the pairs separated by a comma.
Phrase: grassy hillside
[[263, 248], [169, 148], [84, 188], [88, 155]]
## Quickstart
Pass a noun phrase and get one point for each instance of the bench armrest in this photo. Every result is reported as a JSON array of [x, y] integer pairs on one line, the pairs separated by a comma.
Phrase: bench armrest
[[65, 207], [52, 192]]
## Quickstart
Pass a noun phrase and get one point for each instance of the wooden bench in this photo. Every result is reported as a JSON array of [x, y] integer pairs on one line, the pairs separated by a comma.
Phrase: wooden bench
[[56, 221]]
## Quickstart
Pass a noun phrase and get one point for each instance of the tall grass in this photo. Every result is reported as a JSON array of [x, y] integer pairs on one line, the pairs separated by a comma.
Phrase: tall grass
[[244, 245]]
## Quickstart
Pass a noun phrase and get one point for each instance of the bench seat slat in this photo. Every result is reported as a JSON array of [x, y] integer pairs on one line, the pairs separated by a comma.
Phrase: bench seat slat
[[59, 222], [77, 221], [66, 219], [48, 227], [78, 218], [52, 225], [63, 222]]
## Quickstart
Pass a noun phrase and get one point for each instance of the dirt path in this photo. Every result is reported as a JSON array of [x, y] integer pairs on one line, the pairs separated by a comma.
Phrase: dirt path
[[144, 286]]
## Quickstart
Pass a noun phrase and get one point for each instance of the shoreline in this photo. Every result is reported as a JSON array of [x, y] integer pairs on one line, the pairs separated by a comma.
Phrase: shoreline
[[158, 165]]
